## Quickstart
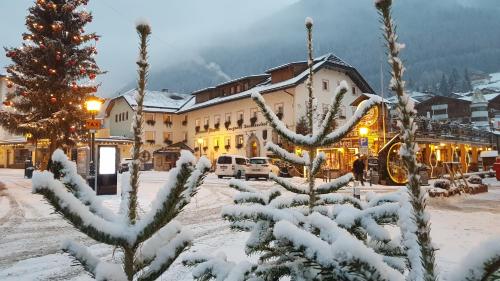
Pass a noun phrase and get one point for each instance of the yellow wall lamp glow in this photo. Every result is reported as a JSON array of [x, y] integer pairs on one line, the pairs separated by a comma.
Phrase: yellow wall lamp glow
[[363, 131]]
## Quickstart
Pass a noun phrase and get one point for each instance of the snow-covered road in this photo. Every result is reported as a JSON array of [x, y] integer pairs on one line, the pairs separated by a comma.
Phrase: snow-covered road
[[30, 234]]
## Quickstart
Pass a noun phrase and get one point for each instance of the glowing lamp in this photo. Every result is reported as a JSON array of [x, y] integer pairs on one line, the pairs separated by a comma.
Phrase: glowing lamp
[[93, 104], [200, 141], [363, 131]]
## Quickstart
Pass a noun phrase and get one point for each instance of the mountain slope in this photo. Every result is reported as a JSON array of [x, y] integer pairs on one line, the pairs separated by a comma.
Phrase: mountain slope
[[440, 35]]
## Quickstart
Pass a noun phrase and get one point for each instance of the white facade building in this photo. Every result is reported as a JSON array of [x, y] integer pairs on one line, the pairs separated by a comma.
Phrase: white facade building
[[479, 110], [224, 119]]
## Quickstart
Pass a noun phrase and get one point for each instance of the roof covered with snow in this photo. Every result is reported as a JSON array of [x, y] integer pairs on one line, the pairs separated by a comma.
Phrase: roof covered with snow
[[263, 76], [328, 60], [492, 83], [158, 101]]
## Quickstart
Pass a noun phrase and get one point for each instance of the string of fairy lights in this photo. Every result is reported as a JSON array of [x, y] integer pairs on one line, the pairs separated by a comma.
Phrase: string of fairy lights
[[41, 34]]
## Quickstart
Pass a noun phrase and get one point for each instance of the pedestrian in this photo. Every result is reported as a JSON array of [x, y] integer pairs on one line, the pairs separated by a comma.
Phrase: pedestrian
[[358, 167]]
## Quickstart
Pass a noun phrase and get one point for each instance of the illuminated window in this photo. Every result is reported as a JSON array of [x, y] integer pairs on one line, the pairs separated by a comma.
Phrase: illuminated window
[[149, 117], [239, 139], [150, 135]]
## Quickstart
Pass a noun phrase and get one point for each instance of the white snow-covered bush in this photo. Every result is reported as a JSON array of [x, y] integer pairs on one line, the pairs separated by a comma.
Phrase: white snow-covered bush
[[148, 244], [308, 231]]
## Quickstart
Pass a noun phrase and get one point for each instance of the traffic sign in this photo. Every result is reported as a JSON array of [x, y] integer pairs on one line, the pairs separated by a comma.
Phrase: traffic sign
[[93, 124], [363, 142]]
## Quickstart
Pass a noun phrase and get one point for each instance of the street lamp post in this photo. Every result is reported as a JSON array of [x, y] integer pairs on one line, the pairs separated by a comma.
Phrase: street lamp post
[[200, 142], [93, 105]]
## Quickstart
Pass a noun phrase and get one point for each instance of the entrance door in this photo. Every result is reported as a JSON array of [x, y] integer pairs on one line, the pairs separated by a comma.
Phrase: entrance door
[[253, 147]]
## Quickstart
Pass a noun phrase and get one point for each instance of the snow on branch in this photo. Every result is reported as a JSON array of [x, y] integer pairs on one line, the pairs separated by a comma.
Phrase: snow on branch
[[340, 199], [82, 255], [343, 130], [288, 185], [78, 214], [148, 250], [79, 187], [174, 195], [416, 220], [257, 212], [317, 162], [277, 124], [165, 256], [206, 267], [102, 271], [295, 200], [340, 91], [288, 156], [342, 251], [335, 184], [482, 263]]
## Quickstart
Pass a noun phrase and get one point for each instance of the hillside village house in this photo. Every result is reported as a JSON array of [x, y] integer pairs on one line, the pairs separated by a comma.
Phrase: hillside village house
[[224, 120]]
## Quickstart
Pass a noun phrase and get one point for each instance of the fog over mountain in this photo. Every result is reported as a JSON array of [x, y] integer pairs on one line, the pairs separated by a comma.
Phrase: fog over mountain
[[439, 35]]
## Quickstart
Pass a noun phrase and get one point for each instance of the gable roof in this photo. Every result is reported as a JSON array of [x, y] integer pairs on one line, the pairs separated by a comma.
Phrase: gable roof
[[155, 101], [262, 76], [325, 61]]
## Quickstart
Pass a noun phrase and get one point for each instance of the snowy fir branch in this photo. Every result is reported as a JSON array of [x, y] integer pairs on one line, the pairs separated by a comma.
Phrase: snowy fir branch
[[342, 131], [288, 185], [78, 214], [79, 187], [310, 232], [482, 263], [144, 31], [290, 156], [422, 265], [149, 244]]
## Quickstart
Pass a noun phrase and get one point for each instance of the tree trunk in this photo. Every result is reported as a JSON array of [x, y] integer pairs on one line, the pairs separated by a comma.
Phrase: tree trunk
[[52, 147]]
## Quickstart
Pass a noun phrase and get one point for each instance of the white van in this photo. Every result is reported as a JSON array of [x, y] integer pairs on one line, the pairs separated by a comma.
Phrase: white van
[[231, 166], [260, 167]]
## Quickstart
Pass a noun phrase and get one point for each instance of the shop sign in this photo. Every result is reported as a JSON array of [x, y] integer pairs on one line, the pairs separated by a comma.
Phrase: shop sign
[[93, 124]]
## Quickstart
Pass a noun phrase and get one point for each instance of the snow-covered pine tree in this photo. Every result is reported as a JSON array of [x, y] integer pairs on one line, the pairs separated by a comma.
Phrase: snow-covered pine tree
[[415, 221], [52, 74], [310, 232], [483, 262], [149, 244]]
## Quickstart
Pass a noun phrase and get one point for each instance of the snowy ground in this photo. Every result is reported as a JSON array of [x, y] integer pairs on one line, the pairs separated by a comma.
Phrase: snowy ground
[[30, 234]]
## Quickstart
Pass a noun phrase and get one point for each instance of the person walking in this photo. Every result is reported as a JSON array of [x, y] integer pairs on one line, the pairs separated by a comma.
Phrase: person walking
[[358, 167]]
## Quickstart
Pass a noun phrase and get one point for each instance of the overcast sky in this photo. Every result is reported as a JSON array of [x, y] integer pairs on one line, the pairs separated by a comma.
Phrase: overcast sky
[[180, 28]]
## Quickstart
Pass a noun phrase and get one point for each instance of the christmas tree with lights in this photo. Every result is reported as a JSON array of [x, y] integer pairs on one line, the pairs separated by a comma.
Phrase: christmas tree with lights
[[52, 74]]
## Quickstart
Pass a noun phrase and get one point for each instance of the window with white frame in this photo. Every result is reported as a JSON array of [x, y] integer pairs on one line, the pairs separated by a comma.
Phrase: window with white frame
[[240, 115], [206, 121], [228, 117], [197, 122], [217, 119]]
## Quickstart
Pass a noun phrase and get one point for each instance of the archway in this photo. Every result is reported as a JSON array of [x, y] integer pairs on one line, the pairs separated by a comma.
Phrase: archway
[[253, 146]]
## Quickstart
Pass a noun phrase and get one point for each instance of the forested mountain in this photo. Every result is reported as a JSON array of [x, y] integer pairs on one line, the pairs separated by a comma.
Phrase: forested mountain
[[440, 36]]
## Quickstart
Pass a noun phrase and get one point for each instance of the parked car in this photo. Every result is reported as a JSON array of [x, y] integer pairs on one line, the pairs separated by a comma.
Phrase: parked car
[[124, 165], [260, 167], [231, 166]]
